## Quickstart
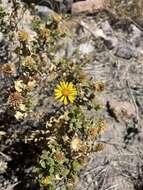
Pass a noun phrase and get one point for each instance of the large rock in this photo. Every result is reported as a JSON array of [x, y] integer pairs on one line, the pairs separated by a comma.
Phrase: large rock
[[89, 6], [121, 110], [125, 51], [86, 48], [44, 12], [135, 35]]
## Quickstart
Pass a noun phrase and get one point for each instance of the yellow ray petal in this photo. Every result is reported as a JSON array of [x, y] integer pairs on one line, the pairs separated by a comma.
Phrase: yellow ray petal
[[59, 87], [73, 93], [57, 90], [62, 88], [58, 95], [62, 84], [61, 99], [65, 101], [70, 86], [66, 84], [71, 99]]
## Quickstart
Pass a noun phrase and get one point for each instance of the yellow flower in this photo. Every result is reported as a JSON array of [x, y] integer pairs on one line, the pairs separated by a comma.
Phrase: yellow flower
[[46, 180], [23, 36], [45, 33], [57, 18], [65, 92]]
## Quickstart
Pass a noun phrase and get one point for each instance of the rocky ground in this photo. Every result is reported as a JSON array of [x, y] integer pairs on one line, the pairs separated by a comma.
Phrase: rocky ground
[[114, 48], [117, 62]]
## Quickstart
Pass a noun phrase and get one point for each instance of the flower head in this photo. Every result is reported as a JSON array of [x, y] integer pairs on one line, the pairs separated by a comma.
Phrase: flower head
[[57, 18], [59, 156], [15, 99], [46, 180], [65, 92], [99, 147], [76, 143], [98, 86], [45, 33], [23, 36], [8, 69]]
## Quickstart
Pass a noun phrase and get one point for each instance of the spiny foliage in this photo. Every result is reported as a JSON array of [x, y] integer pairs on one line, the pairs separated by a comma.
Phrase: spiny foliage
[[67, 134]]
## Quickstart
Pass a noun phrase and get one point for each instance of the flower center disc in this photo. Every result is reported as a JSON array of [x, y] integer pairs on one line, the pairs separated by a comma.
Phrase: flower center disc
[[66, 92]]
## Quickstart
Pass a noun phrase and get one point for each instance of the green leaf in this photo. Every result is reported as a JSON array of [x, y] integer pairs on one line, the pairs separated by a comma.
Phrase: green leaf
[[43, 164], [65, 172], [51, 170], [51, 187], [2, 12], [64, 188], [76, 165]]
